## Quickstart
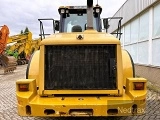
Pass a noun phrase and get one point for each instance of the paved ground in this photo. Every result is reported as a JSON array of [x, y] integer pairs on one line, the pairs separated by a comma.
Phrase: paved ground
[[8, 108]]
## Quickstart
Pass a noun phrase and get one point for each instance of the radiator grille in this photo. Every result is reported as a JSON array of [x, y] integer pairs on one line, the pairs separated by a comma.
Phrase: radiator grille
[[82, 67]]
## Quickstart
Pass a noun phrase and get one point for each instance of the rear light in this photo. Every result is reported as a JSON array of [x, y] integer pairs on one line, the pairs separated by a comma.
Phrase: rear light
[[138, 85], [23, 87]]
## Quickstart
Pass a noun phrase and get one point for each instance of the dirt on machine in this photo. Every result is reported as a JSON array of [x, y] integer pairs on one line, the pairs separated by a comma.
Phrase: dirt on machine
[[7, 63]]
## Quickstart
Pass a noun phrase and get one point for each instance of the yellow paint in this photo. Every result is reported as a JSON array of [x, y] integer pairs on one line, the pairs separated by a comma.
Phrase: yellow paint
[[127, 66], [92, 37], [105, 92], [99, 105], [120, 99], [33, 71], [23, 43]]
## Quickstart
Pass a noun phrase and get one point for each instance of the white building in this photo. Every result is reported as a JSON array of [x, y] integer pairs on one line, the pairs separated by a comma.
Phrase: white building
[[141, 35]]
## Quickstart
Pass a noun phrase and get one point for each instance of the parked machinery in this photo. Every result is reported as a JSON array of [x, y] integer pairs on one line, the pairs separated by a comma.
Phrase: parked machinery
[[24, 45], [8, 63], [81, 73], [35, 45]]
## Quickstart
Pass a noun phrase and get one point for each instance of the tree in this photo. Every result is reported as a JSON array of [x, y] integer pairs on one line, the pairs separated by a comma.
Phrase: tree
[[26, 30], [21, 31]]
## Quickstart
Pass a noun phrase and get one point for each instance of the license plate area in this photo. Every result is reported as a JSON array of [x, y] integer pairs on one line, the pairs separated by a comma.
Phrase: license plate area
[[81, 112]]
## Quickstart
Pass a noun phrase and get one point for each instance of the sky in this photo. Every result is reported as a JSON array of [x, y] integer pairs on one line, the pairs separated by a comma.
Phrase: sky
[[19, 14]]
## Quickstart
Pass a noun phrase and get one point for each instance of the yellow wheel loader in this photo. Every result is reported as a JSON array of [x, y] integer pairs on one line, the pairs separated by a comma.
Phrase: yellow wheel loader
[[80, 71]]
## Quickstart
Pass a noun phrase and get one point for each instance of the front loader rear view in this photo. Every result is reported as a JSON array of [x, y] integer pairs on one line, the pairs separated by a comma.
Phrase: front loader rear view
[[80, 73]]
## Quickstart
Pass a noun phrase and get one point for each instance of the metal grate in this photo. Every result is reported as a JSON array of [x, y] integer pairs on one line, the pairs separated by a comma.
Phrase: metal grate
[[82, 67]]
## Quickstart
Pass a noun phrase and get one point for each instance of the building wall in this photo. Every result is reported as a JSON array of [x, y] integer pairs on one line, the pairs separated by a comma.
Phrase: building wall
[[130, 9], [151, 73], [141, 35]]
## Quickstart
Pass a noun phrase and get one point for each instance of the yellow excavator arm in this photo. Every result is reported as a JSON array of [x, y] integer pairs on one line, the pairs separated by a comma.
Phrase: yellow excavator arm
[[23, 45]]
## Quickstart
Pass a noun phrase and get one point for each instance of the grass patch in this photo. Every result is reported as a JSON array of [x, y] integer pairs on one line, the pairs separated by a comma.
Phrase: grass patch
[[153, 87]]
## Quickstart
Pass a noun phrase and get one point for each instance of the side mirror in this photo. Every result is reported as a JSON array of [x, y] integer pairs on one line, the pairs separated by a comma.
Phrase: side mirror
[[105, 23], [56, 25], [85, 26]]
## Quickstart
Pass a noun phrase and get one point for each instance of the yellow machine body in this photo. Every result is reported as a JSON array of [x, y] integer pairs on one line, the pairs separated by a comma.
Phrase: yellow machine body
[[123, 101]]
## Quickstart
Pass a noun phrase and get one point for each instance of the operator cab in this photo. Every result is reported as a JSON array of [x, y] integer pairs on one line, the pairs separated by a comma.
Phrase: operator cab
[[74, 19]]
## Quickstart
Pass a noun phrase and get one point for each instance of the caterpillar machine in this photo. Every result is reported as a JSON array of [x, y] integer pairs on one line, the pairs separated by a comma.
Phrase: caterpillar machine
[[7, 63], [24, 46], [80, 71]]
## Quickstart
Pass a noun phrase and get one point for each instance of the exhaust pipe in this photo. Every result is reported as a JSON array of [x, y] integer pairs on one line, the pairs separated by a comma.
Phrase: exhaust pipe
[[89, 14]]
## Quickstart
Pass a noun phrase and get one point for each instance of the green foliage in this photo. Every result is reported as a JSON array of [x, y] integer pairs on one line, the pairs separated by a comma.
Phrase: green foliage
[[15, 54], [21, 32], [12, 53], [9, 52], [26, 30]]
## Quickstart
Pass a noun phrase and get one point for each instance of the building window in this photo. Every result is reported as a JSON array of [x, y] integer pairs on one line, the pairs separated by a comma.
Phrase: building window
[[128, 48], [143, 53], [133, 52], [134, 31], [156, 52], [156, 21], [144, 27], [127, 34], [122, 36]]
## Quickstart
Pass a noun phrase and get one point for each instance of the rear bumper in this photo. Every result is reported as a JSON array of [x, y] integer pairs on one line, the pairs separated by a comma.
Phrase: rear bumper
[[81, 106], [30, 103]]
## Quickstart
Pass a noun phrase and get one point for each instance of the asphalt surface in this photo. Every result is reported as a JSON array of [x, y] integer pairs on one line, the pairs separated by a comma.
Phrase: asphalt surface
[[8, 107]]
